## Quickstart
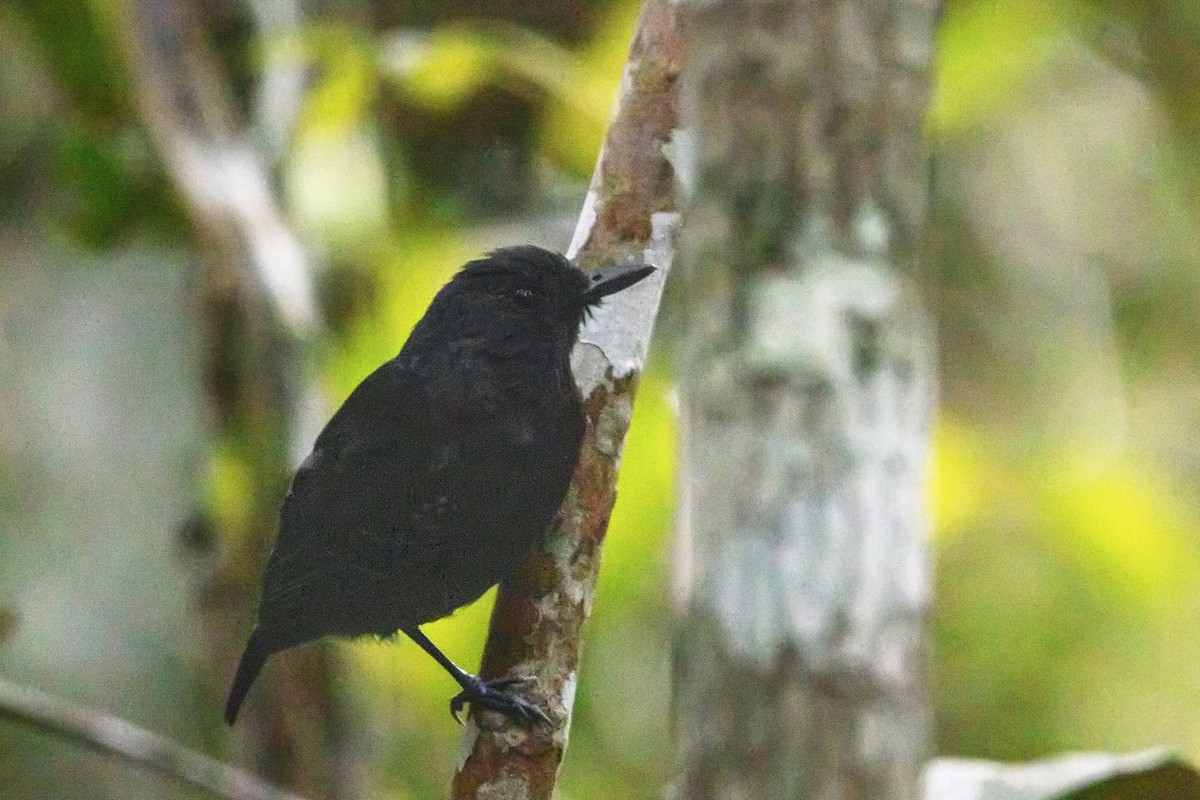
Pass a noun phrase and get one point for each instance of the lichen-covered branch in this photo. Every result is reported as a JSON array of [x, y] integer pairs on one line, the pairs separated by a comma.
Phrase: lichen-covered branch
[[536, 629], [109, 734], [807, 389]]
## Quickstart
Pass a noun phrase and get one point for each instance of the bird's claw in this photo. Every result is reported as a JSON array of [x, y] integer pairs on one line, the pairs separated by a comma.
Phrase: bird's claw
[[495, 696]]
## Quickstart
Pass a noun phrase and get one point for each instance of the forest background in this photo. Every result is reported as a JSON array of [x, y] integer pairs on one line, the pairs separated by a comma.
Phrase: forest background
[[1063, 280]]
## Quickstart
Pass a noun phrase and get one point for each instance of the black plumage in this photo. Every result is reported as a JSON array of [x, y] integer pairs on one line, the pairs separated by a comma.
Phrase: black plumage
[[439, 471]]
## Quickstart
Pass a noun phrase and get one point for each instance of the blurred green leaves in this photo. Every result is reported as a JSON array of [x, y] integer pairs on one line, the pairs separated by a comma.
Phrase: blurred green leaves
[[336, 188], [1067, 582], [1112, 512], [444, 68], [72, 157], [346, 187], [989, 51], [71, 38], [1117, 516], [1064, 475]]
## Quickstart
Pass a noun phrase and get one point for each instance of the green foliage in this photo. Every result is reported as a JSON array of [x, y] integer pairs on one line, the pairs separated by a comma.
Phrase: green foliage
[[990, 51], [1068, 556], [70, 146], [70, 37], [447, 67], [1079, 570], [1064, 492]]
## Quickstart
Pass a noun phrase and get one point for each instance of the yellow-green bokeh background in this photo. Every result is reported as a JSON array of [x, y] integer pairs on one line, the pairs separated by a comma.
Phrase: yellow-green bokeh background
[[1063, 278]]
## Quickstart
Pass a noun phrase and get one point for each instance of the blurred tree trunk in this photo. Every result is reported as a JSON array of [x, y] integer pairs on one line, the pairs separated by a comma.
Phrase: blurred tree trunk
[[257, 303], [808, 392]]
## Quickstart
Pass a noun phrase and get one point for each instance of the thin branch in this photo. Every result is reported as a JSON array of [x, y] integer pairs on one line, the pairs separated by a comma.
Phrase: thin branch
[[258, 302], [110, 734], [221, 178], [279, 96], [630, 212]]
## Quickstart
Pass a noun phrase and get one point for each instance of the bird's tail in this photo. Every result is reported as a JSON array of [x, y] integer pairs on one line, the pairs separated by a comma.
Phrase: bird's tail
[[253, 658]]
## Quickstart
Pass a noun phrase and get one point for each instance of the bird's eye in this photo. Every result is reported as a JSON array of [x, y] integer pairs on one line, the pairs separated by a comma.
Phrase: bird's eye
[[524, 297]]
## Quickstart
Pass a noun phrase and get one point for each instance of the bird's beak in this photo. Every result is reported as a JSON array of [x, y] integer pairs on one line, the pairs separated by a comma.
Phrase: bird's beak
[[614, 279]]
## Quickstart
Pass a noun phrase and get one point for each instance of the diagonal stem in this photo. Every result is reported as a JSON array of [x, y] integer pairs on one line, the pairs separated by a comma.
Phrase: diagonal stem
[[109, 734], [630, 214]]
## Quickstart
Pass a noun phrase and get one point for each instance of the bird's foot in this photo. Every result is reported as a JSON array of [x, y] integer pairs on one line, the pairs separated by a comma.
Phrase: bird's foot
[[495, 696]]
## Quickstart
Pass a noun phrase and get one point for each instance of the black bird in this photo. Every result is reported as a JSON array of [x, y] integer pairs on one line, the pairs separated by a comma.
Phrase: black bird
[[439, 471]]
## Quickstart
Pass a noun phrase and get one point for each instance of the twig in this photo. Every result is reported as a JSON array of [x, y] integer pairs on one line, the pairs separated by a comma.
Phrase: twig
[[536, 629], [223, 181], [109, 734], [257, 301]]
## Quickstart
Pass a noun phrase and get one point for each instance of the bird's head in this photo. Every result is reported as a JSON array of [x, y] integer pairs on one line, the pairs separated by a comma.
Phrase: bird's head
[[520, 295]]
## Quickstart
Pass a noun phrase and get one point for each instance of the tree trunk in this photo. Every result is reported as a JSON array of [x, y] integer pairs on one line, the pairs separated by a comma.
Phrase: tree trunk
[[807, 389], [538, 619]]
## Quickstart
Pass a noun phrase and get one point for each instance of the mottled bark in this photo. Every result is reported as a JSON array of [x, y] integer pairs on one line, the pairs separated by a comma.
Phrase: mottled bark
[[807, 391], [537, 623], [257, 302]]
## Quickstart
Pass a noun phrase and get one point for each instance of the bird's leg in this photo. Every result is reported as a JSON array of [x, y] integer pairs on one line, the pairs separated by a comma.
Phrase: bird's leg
[[492, 695]]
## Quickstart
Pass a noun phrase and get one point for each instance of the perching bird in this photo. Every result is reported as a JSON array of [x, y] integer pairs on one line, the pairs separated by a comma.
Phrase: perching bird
[[440, 470]]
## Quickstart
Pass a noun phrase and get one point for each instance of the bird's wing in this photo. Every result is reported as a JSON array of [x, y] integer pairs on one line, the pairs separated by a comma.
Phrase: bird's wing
[[350, 500]]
